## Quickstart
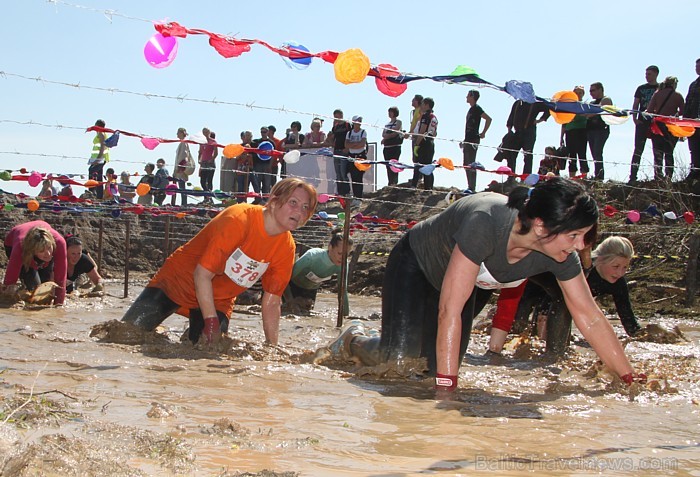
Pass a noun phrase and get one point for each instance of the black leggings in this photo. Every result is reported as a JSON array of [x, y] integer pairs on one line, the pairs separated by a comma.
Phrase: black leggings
[[410, 310], [153, 306], [542, 294]]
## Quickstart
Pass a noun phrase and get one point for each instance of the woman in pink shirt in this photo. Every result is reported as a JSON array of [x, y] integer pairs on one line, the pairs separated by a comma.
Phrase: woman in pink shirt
[[36, 253]]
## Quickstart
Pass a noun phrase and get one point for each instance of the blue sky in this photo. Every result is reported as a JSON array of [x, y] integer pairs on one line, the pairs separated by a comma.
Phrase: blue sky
[[554, 45]]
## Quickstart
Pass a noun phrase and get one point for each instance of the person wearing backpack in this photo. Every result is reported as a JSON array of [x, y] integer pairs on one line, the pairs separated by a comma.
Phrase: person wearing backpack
[[98, 158], [356, 144], [184, 166]]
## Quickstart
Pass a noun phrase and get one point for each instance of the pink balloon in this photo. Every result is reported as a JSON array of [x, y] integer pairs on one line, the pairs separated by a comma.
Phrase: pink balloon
[[386, 87], [160, 51], [633, 216], [171, 189], [395, 169], [504, 170], [150, 143], [34, 179], [323, 198]]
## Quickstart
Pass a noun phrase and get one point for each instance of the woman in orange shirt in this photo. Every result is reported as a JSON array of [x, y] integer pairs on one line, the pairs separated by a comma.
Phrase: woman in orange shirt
[[241, 245]]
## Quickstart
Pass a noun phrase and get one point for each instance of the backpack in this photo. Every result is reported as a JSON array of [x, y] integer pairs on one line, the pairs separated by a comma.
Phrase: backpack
[[112, 140]]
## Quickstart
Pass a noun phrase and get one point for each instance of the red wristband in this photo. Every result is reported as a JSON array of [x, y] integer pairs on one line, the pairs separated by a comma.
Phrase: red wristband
[[446, 382]]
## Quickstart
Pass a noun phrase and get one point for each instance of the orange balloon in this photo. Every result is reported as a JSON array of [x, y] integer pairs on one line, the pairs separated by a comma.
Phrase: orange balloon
[[362, 166], [33, 205], [680, 131], [90, 183], [447, 163], [564, 97], [233, 150], [351, 66], [180, 215], [143, 189]]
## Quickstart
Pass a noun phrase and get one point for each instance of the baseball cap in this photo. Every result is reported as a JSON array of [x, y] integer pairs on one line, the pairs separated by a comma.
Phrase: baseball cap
[[357, 119]]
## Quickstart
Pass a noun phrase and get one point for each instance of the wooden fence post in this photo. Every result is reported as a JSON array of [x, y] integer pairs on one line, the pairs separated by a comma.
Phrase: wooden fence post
[[691, 276], [342, 279], [126, 258]]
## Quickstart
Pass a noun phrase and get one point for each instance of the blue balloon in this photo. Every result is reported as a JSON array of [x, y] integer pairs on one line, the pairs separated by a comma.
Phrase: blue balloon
[[265, 146], [521, 90], [532, 179], [325, 151], [323, 214], [297, 63], [427, 169], [476, 165]]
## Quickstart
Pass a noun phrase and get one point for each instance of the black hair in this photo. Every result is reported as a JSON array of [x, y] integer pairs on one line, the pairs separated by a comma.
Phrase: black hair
[[212, 134], [561, 204], [598, 85], [73, 240], [297, 124], [110, 171], [475, 94], [338, 111], [100, 123], [430, 102], [337, 237], [418, 98], [395, 110]]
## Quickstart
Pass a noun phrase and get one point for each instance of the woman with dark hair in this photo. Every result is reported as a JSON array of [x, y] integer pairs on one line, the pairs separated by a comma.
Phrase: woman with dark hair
[[80, 263], [241, 245], [316, 266], [442, 272], [392, 138], [36, 253]]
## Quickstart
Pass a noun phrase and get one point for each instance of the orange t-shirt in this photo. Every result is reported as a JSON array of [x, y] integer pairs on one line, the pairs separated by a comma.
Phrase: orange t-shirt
[[235, 247]]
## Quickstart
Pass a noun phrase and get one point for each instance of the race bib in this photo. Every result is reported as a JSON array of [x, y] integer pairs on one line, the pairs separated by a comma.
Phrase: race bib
[[243, 270], [486, 281], [315, 278]]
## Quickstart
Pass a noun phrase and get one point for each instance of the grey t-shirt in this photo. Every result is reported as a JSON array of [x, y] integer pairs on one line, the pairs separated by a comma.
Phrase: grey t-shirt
[[480, 225]]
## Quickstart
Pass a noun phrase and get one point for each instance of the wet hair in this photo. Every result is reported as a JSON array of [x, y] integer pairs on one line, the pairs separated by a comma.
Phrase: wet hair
[[430, 102], [394, 110], [283, 190], [474, 93], [612, 248], [337, 237], [72, 241], [100, 123], [36, 240], [296, 124], [561, 204]]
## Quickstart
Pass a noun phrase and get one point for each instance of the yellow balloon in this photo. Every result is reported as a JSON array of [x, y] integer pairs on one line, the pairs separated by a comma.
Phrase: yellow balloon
[[351, 66], [361, 166]]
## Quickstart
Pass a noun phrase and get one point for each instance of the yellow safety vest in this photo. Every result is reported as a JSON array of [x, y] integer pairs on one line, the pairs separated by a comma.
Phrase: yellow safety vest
[[96, 150]]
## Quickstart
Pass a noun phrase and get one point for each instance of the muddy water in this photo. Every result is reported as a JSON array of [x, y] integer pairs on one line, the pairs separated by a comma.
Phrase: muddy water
[[164, 408]]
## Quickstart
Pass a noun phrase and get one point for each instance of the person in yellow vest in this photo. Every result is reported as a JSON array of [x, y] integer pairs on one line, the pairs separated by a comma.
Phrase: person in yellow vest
[[98, 158]]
